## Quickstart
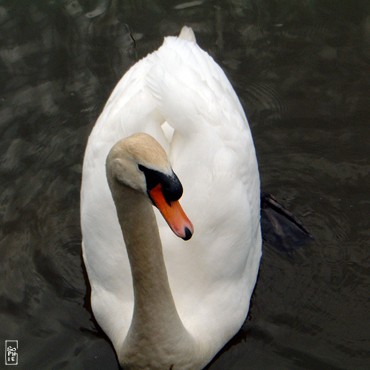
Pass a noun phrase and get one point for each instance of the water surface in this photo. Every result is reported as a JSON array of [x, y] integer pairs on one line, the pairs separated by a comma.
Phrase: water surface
[[302, 73]]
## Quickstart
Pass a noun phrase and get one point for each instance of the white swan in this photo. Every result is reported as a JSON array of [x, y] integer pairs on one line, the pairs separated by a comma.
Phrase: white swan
[[174, 311]]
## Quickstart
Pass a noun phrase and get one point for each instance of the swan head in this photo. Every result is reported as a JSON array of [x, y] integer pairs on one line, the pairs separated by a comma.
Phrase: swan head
[[139, 162]]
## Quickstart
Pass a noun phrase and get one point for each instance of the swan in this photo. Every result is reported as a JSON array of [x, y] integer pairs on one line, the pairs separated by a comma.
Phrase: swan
[[171, 284]]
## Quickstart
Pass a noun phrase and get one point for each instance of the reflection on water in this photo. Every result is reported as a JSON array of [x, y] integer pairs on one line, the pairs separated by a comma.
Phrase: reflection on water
[[301, 71]]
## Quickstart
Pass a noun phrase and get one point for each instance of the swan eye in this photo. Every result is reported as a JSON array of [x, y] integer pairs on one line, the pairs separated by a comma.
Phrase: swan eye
[[171, 185]]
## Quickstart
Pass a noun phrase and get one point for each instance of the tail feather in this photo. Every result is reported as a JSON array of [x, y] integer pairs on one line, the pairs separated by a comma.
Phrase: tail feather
[[187, 34]]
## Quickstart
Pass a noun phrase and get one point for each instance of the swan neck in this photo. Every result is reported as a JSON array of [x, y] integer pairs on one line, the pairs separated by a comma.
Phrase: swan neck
[[155, 321], [139, 227]]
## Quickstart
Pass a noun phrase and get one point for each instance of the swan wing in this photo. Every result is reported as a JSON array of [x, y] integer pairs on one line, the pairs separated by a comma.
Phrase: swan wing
[[212, 151]]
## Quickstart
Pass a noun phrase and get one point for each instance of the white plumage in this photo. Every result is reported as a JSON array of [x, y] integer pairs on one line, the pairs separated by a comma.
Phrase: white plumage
[[182, 98]]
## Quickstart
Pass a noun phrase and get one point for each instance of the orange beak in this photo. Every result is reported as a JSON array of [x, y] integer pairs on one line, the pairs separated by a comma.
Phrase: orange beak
[[173, 213]]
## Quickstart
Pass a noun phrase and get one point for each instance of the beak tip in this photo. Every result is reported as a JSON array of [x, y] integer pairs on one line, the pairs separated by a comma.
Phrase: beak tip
[[188, 234]]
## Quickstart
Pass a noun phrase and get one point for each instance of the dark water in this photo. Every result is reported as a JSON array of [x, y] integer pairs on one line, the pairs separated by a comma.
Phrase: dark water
[[301, 70]]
